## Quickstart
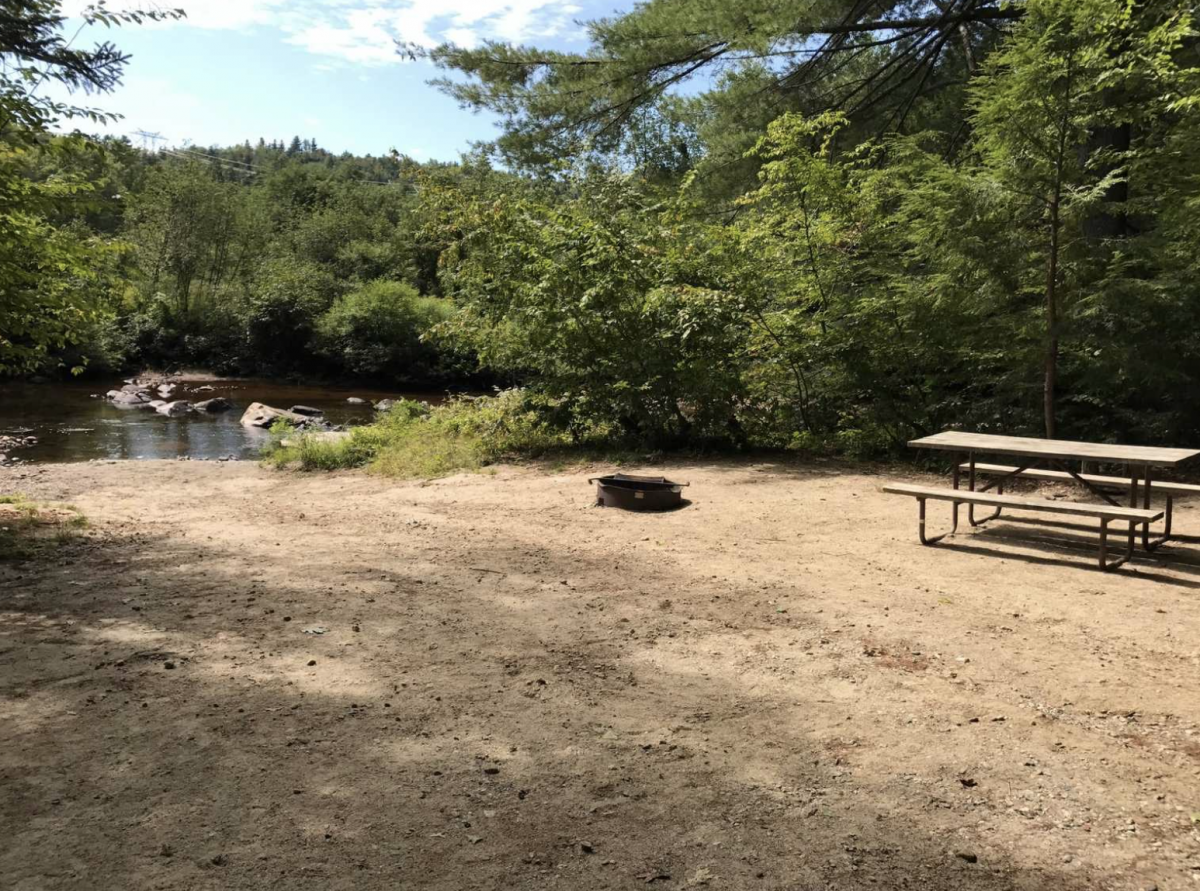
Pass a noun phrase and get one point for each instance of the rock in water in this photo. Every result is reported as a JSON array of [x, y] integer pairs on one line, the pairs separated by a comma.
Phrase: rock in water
[[175, 409], [126, 398], [307, 410], [217, 403], [354, 400], [384, 404], [259, 415]]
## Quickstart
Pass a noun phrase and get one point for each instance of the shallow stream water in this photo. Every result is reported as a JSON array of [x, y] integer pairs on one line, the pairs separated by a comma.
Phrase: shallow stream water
[[73, 422]]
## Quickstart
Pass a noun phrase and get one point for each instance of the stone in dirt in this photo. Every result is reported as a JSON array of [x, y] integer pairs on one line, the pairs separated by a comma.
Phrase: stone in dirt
[[7, 443], [307, 410], [259, 415], [176, 409], [216, 404]]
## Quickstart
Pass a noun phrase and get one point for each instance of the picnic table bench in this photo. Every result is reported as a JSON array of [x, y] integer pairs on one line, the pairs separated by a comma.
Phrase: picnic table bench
[[1138, 463]]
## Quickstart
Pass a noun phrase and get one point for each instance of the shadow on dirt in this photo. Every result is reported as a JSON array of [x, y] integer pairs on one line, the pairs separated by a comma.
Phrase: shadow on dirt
[[172, 720]]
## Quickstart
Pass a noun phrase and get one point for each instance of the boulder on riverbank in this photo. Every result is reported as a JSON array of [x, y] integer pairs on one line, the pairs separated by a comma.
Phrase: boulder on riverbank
[[259, 415]]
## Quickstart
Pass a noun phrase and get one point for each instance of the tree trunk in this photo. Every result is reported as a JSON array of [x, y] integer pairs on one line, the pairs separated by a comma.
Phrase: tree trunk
[[1051, 367]]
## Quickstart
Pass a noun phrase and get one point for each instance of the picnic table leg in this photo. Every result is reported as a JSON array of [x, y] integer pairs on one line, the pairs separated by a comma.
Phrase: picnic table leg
[[1104, 564], [1146, 542], [970, 507], [925, 539], [954, 509]]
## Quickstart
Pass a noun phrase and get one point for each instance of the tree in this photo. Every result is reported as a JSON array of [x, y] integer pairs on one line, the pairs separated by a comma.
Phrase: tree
[[595, 295], [193, 235], [49, 277], [1069, 72]]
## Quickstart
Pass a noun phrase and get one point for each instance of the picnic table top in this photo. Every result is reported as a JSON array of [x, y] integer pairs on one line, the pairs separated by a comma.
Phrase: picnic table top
[[1030, 447]]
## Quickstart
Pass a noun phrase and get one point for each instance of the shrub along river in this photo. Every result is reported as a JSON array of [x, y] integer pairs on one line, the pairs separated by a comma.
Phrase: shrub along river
[[72, 421]]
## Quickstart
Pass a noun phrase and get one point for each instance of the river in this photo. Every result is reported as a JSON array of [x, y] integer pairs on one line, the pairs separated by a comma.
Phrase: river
[[73, 422]]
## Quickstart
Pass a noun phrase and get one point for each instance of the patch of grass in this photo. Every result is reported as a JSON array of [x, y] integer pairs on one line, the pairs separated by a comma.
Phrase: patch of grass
[[416, 441], [27, 527]]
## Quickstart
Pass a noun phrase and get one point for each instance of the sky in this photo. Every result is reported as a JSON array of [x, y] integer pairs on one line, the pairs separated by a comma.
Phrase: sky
[[323, 69]]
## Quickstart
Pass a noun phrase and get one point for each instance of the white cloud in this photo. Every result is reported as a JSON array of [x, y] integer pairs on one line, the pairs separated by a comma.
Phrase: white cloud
[[364, 32], [462, 37], [363, 38]]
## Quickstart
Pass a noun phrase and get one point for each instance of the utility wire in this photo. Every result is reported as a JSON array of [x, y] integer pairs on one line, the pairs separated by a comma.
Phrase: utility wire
[[218, 162], [219, 158]]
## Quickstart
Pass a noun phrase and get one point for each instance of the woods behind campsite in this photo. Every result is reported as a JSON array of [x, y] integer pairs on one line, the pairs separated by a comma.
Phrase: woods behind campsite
[[849, 228]]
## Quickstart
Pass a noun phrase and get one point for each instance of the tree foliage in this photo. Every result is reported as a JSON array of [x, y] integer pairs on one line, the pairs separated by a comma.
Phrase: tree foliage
[[52, 279], [690, 82], [855, 223], [1017, 265]]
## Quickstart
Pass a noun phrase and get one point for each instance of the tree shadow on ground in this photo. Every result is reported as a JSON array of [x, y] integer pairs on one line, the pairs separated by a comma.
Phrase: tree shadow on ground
[[169, 723], [1078, 550]]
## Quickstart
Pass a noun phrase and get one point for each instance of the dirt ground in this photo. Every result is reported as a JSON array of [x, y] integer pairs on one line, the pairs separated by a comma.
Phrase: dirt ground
[[775, 687]]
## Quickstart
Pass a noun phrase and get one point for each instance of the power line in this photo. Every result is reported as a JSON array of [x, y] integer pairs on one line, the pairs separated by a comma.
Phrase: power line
[[219, 158], [230, 165]]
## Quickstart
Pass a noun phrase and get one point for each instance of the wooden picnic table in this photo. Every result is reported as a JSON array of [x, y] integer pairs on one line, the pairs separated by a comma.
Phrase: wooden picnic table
[[1060, 449], [1137, 463]]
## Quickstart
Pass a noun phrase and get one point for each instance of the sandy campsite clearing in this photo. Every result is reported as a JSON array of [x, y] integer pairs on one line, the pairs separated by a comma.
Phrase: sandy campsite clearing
[[239, 678]]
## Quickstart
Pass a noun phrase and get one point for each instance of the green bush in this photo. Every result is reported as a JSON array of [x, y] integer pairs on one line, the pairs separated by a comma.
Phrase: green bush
[[377, 330]]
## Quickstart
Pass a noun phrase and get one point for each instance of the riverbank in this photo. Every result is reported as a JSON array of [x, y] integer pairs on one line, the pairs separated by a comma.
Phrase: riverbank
[[73, 421], [241, 678]]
